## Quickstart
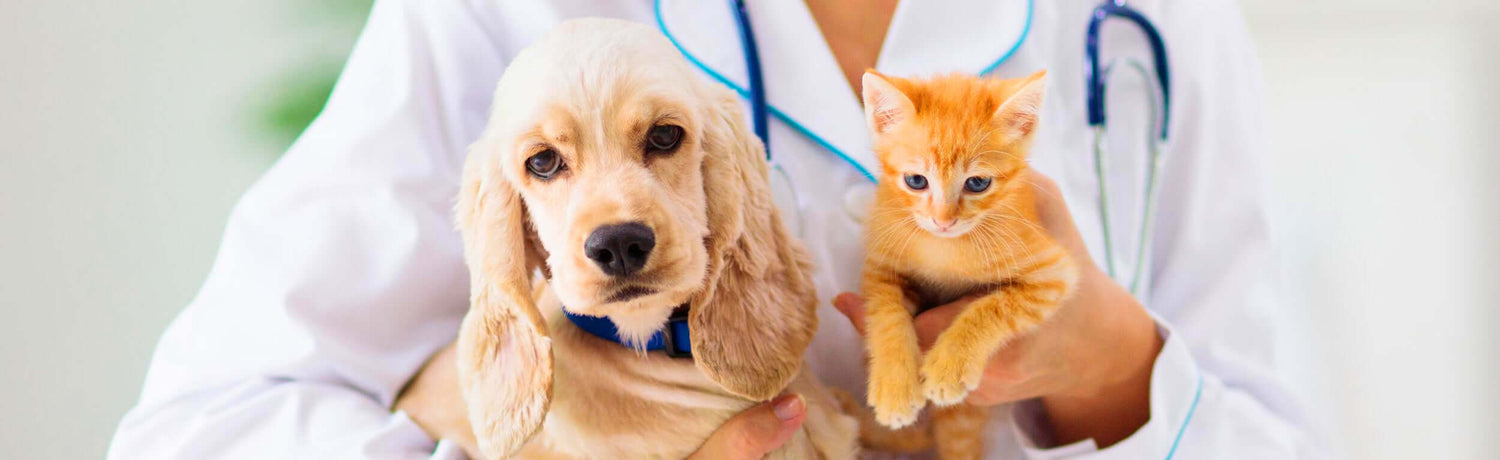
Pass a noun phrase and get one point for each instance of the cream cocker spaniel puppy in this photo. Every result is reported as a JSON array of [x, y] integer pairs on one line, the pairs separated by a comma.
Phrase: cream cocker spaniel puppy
[[634, 188]]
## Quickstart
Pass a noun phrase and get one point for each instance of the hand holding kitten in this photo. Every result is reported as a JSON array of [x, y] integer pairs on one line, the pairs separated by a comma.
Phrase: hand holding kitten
[[1090, 364]]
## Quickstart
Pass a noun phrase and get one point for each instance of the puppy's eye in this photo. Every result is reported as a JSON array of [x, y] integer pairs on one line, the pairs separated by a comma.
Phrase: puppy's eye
[[544, 164], [663, 138], [916, 181], [977, 184]]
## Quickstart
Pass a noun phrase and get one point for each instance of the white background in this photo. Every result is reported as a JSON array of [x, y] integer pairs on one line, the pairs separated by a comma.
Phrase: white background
[[123, 144]]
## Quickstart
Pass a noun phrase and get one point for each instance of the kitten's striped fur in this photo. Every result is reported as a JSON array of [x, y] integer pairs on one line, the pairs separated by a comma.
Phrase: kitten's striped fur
[[930, 245]]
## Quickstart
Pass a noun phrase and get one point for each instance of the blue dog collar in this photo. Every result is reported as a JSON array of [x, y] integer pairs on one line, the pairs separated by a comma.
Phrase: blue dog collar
[[673, 339]]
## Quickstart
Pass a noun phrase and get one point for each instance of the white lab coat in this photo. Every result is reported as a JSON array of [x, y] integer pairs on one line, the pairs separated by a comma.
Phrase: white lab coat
[[341, 272]]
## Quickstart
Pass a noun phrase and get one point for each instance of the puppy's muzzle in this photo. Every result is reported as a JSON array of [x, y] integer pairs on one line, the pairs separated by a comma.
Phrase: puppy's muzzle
[[620, 250]]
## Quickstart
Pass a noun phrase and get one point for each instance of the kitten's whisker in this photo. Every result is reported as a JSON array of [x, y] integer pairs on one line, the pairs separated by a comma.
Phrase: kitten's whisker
[[1034, 186], [1024, 247], [904, 228], [981, 139], [910, 235], [990, 246], [1001, 228], [1004, 244], [887, 233], [1016, 212]]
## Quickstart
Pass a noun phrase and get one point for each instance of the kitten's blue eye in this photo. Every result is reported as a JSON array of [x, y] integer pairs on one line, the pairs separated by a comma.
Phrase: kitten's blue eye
[[916, 181], [977, 184]]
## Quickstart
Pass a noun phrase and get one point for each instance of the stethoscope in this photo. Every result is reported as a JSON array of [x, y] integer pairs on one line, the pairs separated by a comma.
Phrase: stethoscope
[[1097, 79], [1161, 111]]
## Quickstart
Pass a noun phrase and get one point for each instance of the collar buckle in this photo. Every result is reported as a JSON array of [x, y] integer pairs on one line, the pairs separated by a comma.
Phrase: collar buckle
[[676, 332]]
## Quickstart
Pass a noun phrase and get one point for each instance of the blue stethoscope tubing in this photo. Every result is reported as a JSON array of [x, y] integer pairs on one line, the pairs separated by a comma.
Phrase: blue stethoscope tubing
[[759, 109], [1097, 77], [1161, 110], [760, 113]]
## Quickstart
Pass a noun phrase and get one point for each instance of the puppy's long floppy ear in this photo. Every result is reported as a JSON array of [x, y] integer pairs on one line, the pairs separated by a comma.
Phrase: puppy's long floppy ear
[[756, 314], [504, 351]]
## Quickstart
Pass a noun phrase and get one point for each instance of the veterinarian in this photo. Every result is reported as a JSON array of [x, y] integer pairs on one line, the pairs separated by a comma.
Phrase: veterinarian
[[324, 326]]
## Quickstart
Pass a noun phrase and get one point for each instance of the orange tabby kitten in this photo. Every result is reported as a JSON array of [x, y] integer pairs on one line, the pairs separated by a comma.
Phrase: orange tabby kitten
[[953, 216]]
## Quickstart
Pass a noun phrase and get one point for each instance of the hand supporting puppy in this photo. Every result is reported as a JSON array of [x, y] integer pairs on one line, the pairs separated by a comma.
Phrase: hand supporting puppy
[[757, 431], [433, 401], [1090, 364]]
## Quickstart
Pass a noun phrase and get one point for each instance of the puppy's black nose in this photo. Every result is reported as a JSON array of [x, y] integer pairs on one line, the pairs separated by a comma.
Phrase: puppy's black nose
[[620, 249]]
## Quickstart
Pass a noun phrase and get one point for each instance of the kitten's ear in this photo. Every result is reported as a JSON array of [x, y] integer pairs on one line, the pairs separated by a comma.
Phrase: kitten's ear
[[885, 106], [1018, 115]]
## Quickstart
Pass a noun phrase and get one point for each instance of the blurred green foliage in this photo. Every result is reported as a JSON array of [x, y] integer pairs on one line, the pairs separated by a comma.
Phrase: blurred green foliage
[[297, 96]]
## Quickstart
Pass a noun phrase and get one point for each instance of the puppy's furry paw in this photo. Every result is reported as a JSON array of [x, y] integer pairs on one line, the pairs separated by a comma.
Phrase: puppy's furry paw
[[947, 378]]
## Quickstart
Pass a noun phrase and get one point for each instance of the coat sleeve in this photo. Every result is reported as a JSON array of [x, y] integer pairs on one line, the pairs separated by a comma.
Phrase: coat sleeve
[[1217, 388], [340, 271]]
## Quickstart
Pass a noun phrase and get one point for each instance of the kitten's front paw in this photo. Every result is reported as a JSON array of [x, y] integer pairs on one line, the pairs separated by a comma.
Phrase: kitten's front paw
[[947, 378], [896, 400]]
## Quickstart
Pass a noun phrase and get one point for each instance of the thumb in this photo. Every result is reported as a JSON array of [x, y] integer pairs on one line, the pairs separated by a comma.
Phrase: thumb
[[757, 431], [853, 307]]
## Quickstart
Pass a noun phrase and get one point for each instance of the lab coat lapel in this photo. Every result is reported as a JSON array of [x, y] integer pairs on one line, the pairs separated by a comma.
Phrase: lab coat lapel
[[804, 86]]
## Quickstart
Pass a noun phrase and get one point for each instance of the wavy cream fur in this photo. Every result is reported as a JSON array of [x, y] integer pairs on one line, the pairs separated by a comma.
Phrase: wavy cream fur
[[536, 386]]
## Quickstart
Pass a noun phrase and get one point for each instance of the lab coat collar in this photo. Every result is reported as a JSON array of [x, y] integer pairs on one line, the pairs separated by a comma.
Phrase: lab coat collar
[[806, 89]]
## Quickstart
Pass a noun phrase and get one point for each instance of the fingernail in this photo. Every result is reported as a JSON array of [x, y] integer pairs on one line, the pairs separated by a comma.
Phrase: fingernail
[[788, 407]]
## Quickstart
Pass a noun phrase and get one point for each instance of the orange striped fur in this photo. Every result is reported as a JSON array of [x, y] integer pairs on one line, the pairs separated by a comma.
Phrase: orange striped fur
[[928, 246]]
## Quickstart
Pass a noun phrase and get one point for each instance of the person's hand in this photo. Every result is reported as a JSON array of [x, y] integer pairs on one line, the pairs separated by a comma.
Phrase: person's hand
[[757, 431], [1090, 363], [435, 402]]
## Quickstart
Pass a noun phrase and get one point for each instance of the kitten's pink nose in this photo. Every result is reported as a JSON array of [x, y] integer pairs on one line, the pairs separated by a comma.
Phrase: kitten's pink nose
[[944, 225]]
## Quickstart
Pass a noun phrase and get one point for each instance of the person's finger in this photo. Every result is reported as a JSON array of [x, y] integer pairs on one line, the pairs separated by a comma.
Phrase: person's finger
[[853, 307], [931, 323], [757, 431]]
